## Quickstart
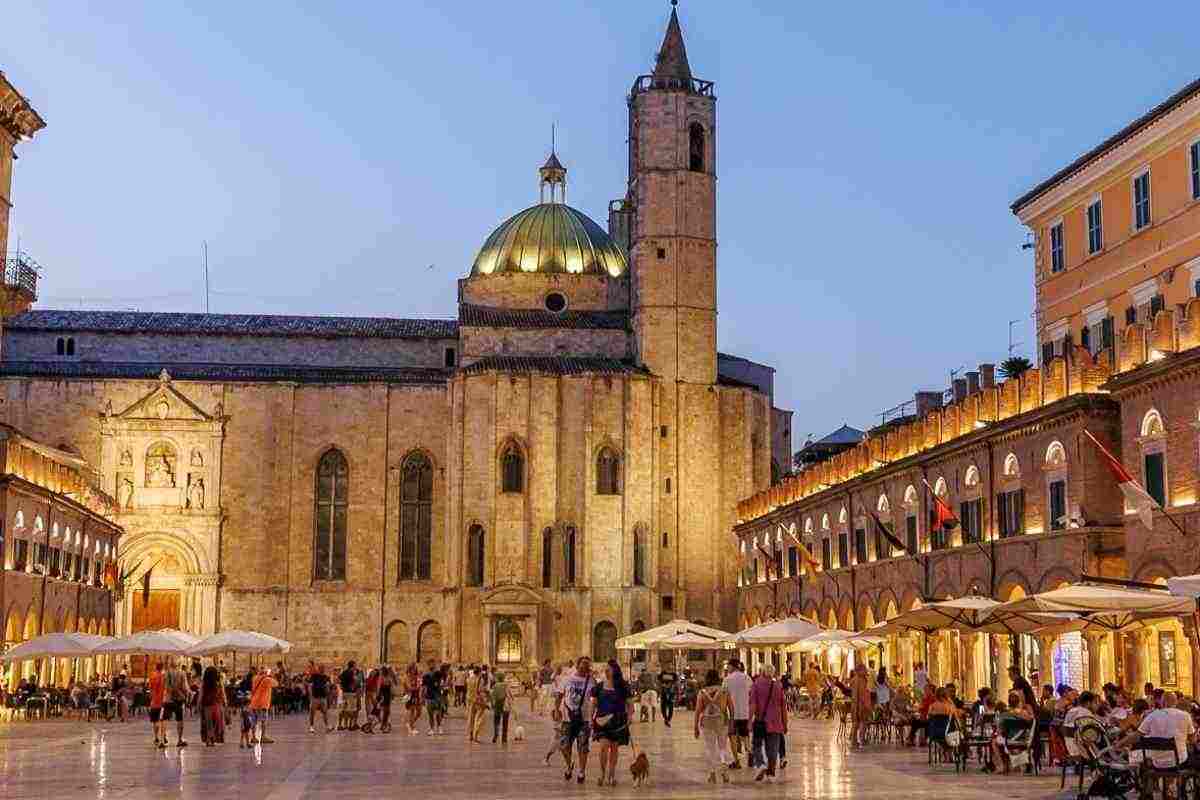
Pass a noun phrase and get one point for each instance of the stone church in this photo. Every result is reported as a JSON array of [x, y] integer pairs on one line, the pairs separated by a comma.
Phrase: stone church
[[556, 467]]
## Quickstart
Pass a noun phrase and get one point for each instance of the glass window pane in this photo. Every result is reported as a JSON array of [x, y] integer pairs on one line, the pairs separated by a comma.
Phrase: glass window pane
[[338, 554], [424, 542]]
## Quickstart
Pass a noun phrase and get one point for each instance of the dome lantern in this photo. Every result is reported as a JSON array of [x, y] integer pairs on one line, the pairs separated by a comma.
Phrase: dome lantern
[[552, 174]]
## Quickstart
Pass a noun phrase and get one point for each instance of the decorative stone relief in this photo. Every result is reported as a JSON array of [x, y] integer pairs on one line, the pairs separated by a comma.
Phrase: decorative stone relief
[[124, 490], [160, 466], [195, 492]]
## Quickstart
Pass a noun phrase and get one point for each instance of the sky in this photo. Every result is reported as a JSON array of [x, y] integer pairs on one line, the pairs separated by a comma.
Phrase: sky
[[351, 158]]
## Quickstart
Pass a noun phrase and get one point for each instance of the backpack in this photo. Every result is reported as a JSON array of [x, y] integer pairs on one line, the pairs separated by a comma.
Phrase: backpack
[[713, 710], [499, 696]]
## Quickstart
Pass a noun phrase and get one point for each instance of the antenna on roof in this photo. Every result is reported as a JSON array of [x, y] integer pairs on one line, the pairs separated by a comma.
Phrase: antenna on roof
[[552, 137], [205, 276]]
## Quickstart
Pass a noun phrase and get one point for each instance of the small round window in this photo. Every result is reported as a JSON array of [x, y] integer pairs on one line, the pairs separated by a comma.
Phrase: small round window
[[556, 302]]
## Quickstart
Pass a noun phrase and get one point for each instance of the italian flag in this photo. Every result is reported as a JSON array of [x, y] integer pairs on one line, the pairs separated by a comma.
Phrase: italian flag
[[1136, 497]]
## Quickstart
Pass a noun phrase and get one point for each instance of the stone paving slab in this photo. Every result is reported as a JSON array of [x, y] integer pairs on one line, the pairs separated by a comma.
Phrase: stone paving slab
[[111, 761]]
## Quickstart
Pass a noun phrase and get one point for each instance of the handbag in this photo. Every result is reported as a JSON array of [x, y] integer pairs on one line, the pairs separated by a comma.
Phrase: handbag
[[953, 737]]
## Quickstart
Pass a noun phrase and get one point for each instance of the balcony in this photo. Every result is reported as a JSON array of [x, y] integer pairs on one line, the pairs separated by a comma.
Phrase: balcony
[[646, 83], [21, 274]]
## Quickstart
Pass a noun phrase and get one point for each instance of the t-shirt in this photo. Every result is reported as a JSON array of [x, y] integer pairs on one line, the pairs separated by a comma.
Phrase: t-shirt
[[349, 681], [1071, 720], [319, 685], [157, 689], [432, 681], [738, 684], [260, 694], [500, 697], [609, 701], [575, 691], [666, 682], [920, 680], [1167, 723], [1021, 685], [374, 679]]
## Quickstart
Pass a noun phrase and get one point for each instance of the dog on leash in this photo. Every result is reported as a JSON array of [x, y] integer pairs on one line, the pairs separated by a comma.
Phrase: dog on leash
[[519, 734], [640, 768]]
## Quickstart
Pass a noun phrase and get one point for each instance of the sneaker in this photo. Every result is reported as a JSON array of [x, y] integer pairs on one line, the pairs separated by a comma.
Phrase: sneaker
[[761, 776], [311, 729], [432, 732], [181, 743]]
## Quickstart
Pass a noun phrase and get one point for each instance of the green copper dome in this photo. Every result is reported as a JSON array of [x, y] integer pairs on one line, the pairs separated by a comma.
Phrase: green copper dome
[[551, 237]]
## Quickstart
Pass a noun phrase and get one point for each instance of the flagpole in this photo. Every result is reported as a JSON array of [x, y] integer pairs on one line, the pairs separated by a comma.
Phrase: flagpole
[[1183, 532]]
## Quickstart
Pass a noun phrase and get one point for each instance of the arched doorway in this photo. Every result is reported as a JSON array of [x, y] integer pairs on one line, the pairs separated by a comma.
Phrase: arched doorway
[[397, 649], [604, 642], [508, 642], [429, 641]]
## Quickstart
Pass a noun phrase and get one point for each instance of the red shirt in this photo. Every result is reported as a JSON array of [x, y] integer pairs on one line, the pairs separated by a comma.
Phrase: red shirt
[[157, 689]]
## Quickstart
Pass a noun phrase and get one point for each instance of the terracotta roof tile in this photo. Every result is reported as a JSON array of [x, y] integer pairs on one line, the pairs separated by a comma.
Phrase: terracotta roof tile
[[487, 317], [554, 365]]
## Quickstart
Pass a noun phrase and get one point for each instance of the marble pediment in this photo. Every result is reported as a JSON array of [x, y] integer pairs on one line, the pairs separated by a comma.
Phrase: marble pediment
[[512, 595], [165, 403]]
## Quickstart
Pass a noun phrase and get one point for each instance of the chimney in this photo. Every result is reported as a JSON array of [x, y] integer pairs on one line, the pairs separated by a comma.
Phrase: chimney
[[926, 402], [972, 383], [987, 376], [960, 389]]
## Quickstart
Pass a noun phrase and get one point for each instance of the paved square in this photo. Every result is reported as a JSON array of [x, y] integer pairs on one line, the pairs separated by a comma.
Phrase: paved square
[[59, 759]]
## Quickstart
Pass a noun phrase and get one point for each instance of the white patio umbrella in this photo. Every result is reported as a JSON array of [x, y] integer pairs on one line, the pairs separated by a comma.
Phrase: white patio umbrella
[[1184, 586], [167, 642], [239, 642], [961, 613], [818, 641], [691, 641], [780, 632], [648, 640], [56, 645], [1096, 607]]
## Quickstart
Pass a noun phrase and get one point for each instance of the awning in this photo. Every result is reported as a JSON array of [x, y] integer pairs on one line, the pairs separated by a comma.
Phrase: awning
[[56, 645]]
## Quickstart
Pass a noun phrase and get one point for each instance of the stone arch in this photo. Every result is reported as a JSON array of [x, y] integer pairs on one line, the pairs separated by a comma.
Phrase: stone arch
[[429, 641], [846, 613], [810, 611], [1152, 424], [142, 545], [397, 647], [1012, 585], [32, 625], [910, 599], [1056, 577], [1012, 466], [867, 616], [911, 498], [888, 605], [971, 477], [14, 624], [1056, 455], [831, 620], [1154, 568], [604, 641], [940, 487], [883, 505]]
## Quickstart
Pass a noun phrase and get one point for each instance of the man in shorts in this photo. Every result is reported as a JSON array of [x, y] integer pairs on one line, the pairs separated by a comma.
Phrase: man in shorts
[[348, 720], [318, 698], [260, 704], [176, 695], [433, 691], [737, 685], [157, 686], [577, 730]]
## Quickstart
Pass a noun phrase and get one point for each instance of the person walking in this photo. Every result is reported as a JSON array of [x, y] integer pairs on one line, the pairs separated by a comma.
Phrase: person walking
[[610, 721], [178, 692], [577, 731], [412, 694], [387, 687], [502, 699], [737, 687], [814, 684], [668, 683], [712, 725], [260, 704], [431, 695], [860, 705], [157, 686], [318, 698], [769, 716], [212, 707], [474, 683]]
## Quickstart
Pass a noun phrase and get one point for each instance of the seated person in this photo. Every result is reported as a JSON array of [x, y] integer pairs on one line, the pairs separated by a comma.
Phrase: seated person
[[1012, 718], [1085, 708], [984, 705], [1172, 721]]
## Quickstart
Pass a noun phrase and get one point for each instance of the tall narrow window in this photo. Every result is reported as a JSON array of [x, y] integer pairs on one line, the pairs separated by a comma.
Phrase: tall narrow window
[[547, 557], [1010, 511], [1095, 227], [569, 555], [332, 498], [910, 533], [971, 517], [475, 555], [1195, 153], [1156, 485], [60, 347], [696, 147], [1141, 200], [639, 555], [416, 518], [843, 549], [608, 472], [793, 561], [512, 470], [860, 546], [1058, 505], [1057, 256], [70, 345], [826, 554]]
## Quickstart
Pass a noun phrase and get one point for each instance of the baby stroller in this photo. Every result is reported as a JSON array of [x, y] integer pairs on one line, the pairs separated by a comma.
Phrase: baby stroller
[[1113, 776]]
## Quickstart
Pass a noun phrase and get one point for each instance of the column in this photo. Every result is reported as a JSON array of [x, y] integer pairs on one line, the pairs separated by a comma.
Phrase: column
[[1093, 661], [1004, 659], [1047, 661], [1193, 640], [968, 642]]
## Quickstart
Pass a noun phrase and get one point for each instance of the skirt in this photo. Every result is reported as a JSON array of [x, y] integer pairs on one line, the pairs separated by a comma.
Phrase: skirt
[[616, 731]]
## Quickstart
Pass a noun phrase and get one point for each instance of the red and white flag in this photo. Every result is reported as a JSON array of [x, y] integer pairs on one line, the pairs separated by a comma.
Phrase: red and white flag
[[1136, 496], [808, 562]]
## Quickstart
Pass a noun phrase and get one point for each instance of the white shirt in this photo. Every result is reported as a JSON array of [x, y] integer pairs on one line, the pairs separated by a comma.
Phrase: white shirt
[[920, 679], [1167, 723], [738, 685], [1071, 720]]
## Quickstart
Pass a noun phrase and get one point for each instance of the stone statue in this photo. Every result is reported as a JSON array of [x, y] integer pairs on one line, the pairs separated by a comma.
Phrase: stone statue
[[195, 497], [197, 459], [159, 474], [126, 458], [125, 494]]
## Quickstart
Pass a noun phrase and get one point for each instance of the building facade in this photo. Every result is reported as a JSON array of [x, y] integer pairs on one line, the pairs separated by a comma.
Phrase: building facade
[[1116, 270], [557, 466]]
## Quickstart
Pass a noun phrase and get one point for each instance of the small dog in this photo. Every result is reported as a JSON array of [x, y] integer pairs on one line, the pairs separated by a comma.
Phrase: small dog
[[640, 768], [519, 734]]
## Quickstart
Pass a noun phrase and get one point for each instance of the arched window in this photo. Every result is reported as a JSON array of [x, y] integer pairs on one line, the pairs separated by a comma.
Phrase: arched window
[[608, 472], [1056, 456], [808, 526], [824, 522], [397, 649], [569, 555], [508, 642], [512, 469], [604, 642], [971, 479], [883, 506], [842, 516], [161, 462], [416, 517], [1154, 456], [1012, 467], [475, 553], [696, 147], [639, 557], [429, 641], [329, 562], [547, 557], [1152, 424]]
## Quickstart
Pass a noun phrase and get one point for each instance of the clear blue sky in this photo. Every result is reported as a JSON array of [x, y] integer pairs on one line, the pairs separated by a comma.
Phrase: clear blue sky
[[331, 153]]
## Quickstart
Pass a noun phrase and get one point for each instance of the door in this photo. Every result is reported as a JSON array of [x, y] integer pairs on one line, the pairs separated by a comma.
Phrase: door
[[160, 611]]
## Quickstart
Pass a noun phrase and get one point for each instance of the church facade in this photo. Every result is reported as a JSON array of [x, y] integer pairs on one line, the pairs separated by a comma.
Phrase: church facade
[[557, 466]]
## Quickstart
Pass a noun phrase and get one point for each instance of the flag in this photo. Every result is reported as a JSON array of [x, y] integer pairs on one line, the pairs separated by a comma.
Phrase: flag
[[110, 575], [886, 534], [1136, 496], [770, 559], [146, 587], [943, 517], [807, 562]]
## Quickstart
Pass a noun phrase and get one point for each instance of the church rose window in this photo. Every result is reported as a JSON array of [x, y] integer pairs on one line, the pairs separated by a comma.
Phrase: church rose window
[[416, 518], [333, 483]]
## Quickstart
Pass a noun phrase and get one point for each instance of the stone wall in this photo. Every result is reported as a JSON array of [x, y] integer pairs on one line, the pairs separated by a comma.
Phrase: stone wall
[[479, 342]]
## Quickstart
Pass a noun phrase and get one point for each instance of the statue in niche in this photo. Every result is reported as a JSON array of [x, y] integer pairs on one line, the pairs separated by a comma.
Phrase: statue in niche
[[195, 493], [197, 459], [125, 491], [126, 458], [160, 466], [164, 408]]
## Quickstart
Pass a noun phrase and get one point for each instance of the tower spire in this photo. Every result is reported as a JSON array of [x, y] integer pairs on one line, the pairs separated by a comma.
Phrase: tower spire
[[672, 60], [552, 175]]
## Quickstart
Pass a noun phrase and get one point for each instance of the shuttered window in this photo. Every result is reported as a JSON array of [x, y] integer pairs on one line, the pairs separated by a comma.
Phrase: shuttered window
[[1156, 485], [1095, 227], [1057, 255], [1010, 508], [1058, 505], [1141, 201]]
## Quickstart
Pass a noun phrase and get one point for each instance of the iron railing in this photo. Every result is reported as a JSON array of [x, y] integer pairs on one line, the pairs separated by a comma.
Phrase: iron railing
[[21, 272], [645, 83]]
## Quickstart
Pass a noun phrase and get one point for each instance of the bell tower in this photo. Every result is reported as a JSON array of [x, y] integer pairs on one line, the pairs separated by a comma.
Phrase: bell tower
[[18, 121], [672, 183]]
